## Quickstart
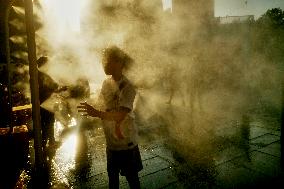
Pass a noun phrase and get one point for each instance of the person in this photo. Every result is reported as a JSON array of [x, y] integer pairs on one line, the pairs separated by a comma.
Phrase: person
[[117, 98], [47, 86]]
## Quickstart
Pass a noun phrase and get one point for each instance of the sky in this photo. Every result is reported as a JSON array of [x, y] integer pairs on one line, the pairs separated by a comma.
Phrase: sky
[[245, 7]]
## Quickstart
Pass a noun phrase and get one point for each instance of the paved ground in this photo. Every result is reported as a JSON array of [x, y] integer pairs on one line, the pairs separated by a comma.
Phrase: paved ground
[[257, 164], [259, 167], [249, 161]]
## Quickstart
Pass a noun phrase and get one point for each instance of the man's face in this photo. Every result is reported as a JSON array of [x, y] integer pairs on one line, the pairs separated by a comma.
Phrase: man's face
[[111, 67]]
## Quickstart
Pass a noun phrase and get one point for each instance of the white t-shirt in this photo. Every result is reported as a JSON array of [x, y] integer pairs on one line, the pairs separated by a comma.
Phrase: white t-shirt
[[116, 94]]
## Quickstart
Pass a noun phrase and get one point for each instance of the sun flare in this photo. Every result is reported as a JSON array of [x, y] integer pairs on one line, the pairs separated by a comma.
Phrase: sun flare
[[66, 13]]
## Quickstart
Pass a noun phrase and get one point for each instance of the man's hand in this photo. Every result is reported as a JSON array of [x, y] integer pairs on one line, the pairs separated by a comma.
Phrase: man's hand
[[61, 89], [88, 110]]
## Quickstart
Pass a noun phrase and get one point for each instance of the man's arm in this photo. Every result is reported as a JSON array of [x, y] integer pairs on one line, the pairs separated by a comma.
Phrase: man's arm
[[61, 89], [116, 116]]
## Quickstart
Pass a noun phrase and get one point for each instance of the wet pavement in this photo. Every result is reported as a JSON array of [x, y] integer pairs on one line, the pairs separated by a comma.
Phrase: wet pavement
[[88, 169], [234, 166], [260, 168], [80, 161]]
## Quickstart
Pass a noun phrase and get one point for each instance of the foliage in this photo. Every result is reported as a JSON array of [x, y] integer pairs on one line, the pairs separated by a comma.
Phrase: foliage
[[269, 36], [273, 18]]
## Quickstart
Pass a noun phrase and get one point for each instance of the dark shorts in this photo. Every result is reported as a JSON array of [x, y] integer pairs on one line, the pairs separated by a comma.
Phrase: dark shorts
[[124, 161]]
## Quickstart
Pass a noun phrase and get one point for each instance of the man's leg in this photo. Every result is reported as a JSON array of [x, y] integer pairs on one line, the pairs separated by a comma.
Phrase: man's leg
[[43, 126], [133, 180], [50, 128], [113, 169], [113, 180]]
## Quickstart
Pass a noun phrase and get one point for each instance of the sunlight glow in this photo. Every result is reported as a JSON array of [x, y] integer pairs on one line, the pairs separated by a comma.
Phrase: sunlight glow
[[73, 122], [67, 152], [58, 128], [66, 13], [167, 5]]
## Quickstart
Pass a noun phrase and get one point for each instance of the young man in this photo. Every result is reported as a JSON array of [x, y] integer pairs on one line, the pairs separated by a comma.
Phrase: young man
[[117, 97]]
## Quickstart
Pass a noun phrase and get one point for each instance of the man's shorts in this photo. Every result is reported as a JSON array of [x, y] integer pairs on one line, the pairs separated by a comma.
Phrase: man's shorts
[[124, 161]]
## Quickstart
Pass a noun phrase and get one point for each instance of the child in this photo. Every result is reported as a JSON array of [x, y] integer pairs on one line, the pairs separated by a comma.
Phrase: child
[[117, 96]]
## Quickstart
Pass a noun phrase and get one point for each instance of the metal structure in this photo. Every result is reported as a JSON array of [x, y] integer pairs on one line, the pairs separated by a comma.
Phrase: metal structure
[[34, 84], [5, 7]]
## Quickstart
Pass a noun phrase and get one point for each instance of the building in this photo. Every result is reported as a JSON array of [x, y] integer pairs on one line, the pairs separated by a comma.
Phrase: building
[[235, 19]]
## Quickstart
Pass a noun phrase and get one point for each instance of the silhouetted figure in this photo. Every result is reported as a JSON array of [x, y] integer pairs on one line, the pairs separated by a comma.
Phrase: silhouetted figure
[[47, 86], [117, 96]]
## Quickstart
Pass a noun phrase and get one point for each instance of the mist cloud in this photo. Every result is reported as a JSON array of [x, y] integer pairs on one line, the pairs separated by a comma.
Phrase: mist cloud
[[211, 77]]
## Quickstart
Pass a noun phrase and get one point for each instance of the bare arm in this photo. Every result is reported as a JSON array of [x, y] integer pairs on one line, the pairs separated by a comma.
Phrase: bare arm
[[116, 116]]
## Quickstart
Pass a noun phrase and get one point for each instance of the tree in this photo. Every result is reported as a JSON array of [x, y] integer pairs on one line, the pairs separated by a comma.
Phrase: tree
[[271, 38], [269, 35], [273, 18]]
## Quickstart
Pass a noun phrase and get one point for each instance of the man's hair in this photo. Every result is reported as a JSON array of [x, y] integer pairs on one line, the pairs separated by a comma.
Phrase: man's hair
[[118, 55]]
